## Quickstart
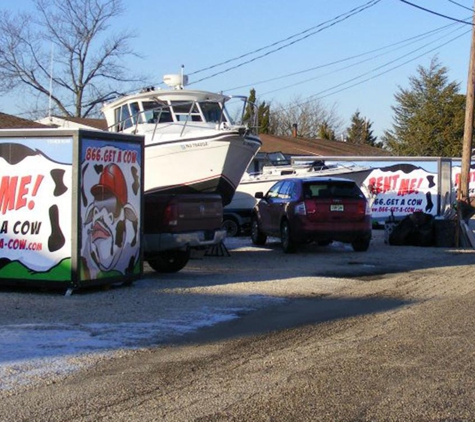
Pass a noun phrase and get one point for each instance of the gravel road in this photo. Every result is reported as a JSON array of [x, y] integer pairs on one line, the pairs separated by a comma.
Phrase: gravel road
[[385, 335]]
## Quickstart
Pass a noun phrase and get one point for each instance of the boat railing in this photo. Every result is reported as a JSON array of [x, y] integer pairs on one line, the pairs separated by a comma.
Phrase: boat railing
[[141, 117], [317, 161], [249, 113], [184, 114]]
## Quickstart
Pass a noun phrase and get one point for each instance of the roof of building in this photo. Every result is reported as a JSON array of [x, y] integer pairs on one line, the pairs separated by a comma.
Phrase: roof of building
[[286, 144], [7, 121], [61, 121], [300, 146]]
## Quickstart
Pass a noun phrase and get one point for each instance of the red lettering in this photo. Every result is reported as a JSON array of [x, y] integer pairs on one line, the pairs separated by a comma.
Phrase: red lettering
[[457, 179], [22, 191], [408, 186], [383, 184], [394, 178], [7, 193], [14, 193], [130, 157], [403, 187], [412, 186]]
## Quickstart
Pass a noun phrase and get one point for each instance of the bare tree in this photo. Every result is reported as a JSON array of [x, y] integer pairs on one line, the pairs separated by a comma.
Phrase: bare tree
[[308, 116], [86, 68]]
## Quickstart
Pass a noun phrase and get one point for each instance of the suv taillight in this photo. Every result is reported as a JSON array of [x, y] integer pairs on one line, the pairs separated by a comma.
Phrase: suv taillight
[[170, 216], [363, 208]]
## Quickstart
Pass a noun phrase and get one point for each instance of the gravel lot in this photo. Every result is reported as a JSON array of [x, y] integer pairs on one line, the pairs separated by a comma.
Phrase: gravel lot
[[383, 335]]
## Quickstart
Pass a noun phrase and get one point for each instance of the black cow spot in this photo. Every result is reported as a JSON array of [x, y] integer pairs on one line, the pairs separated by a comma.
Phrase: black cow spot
[[405, 168], [430, 179], [136, 184], [120, 233], [57, 176], [430, 204], [130, 267], [83, 194], [56, 239], [14, 153], [98, 168], [4, 262], [135, 225]]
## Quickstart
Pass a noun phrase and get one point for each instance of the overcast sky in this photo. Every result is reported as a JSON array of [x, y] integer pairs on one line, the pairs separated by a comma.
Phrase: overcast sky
[[287, 48]]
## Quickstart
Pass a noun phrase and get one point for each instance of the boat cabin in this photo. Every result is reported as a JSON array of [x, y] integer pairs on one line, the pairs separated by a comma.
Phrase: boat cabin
[[156, 107]]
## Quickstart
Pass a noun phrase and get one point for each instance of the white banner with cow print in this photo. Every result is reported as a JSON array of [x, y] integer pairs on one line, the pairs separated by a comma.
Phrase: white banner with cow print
[[35, 207], [110, 206]]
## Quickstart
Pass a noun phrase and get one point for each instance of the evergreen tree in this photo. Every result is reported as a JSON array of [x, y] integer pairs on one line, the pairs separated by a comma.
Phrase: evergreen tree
[[429, 116], [263, 117], [249, 113], [325, 131], [263, 113], [360, 132]]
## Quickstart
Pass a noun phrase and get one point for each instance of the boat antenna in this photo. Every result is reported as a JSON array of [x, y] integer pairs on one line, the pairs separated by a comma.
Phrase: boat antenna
[[182, 76]]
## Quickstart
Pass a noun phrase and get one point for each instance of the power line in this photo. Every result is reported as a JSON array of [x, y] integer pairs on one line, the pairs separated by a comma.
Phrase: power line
[[362, 61], [334, 21], [350, 13], [461, 5], [406, 42], [318, 96], [329, 23], [435, 13], [340, 19]]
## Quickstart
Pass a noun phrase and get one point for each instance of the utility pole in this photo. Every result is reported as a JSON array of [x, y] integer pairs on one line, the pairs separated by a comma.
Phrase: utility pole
[[463, 191]]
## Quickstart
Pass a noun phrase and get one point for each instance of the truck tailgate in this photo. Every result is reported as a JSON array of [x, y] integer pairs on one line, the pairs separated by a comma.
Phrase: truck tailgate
[[182, 212]]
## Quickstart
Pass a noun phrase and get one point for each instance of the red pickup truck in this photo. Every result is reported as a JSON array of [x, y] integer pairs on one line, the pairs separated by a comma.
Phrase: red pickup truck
[[177, 224]]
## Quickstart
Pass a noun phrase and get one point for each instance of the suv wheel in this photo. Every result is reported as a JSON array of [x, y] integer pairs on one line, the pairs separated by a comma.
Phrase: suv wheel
[[257, 237], [288, 245], [361, 245]]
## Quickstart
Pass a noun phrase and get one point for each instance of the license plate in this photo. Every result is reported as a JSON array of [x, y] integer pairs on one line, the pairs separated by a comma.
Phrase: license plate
[[336, 207]]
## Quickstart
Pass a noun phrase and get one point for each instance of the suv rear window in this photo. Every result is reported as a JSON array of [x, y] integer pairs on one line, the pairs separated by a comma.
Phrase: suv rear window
[[332, 189]]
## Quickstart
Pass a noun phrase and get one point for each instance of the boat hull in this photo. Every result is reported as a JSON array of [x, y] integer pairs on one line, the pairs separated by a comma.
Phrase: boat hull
[[211, 164], [244, 197]]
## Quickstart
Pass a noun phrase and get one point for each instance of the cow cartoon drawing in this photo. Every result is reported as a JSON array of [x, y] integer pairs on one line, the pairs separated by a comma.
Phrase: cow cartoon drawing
[[106, 221]]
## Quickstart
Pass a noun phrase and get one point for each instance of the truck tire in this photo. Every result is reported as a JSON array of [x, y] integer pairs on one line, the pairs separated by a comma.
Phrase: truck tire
[[169, 261], [231, 225]]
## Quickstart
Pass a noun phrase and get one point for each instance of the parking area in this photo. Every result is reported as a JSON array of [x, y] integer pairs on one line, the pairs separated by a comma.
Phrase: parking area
[[50, 335], [248, 263]]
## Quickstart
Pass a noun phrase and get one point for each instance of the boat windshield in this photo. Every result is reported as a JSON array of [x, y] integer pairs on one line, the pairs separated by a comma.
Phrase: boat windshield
[[156, 112], [213, 112], [186, 111], [162, 112], [278, 159]]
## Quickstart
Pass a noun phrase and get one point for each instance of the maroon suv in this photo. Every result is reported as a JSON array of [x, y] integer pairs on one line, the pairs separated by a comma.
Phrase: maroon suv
[[312, 209]]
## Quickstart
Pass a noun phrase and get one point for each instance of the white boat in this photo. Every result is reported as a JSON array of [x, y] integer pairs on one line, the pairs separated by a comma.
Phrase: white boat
[[192, 141], [269, 168]]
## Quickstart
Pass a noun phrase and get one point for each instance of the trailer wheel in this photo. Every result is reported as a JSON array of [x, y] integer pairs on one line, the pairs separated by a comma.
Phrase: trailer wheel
[[231, 226], [169, 261]]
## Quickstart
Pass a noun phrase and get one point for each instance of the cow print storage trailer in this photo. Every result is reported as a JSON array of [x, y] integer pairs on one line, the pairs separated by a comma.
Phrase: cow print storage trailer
[[71, 208]]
